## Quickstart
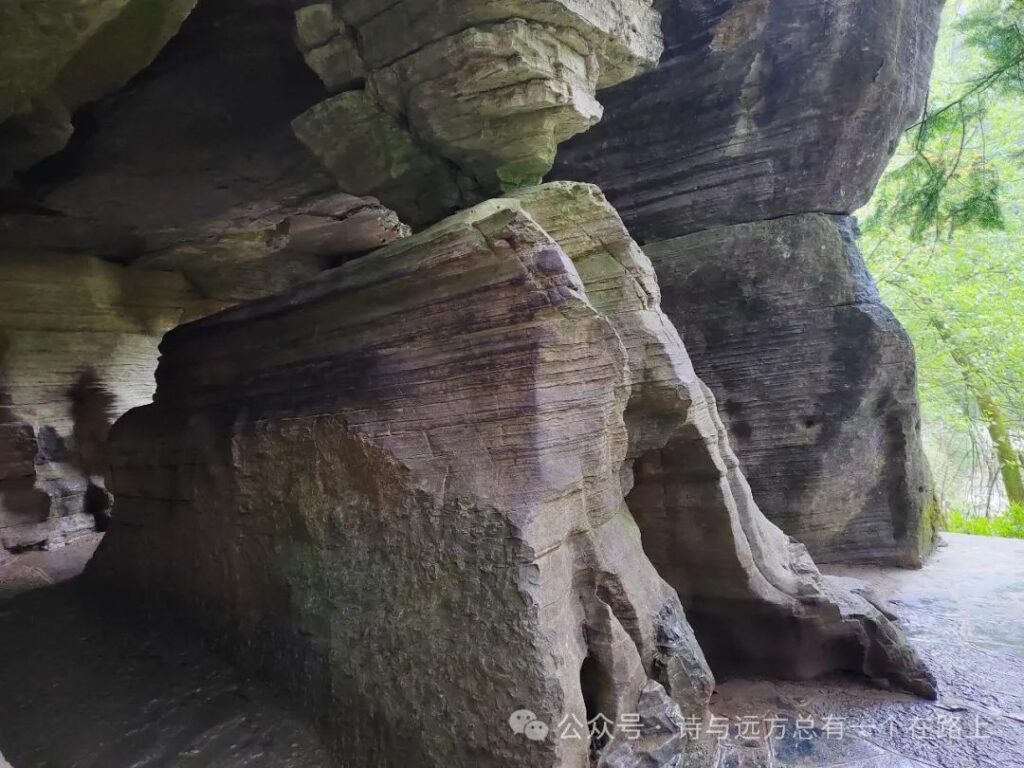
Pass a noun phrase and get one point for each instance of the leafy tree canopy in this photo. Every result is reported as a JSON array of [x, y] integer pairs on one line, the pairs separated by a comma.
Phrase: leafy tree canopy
[[944, 236], [948, 175]]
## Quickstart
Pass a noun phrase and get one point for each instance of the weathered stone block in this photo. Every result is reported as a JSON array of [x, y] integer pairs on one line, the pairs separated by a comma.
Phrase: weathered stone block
[[369, 152], [815, 379], [418, 536], [496, 99], [406, 489], [329, 46], [623, 35], [481, 92]]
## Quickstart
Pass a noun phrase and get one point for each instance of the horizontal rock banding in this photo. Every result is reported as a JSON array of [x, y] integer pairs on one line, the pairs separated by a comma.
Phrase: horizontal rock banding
[[454, 416]]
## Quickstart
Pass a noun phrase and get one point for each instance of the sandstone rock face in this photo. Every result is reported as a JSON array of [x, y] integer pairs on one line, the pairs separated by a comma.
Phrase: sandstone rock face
[[744, 583], [447, 103], [427, 488], [78, 342], [420, 533], [815, 380], [762, 109], [759, 109], [465, 486]]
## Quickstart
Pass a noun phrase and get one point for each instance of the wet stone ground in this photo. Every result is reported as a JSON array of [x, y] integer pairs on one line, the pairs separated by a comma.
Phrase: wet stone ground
[[965, 614], [84, 684]]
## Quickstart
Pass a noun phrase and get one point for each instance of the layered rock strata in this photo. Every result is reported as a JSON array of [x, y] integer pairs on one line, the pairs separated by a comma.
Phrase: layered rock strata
[[441, 105], [193, 165], [78, 346], [761, 109], [426, 491], [817, 381]]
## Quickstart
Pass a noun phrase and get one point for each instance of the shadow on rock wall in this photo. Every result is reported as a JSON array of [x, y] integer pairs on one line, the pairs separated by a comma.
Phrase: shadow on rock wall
[[52, 483]]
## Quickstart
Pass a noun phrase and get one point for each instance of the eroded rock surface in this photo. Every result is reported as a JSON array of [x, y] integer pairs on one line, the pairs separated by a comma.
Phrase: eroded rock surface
[[762, 109], [56, 56], [78, 345], [419, 534], [461, 100], [474, 471], [815, 379], [759, 109], [413, 510], [754, 596], [193, 165]]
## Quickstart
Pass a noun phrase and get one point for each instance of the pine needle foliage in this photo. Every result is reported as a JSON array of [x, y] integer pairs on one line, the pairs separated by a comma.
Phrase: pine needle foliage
[[945, 179]]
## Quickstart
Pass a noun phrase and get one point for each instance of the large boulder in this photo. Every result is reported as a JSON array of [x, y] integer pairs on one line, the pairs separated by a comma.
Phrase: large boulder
[[470, 474], [815, 379], [427, 535]]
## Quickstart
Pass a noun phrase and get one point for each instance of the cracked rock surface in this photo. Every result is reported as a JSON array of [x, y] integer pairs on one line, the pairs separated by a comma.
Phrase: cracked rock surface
[[762, 116]]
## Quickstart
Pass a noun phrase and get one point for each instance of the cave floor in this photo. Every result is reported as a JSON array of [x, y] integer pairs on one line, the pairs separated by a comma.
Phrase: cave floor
[[86, 684], [964, 612]]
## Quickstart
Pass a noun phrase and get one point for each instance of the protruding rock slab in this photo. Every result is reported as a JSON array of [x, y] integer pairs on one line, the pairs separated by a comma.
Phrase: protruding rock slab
[[623, 35], [759, 109], [195, 167], [329, 46], [755, 599], [369, 151], [465, 99], [401, 488], [815, 379]]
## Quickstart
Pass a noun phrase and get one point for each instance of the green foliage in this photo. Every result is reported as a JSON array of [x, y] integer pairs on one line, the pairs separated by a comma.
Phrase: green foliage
[[996, 29], [944, 237], [939, 194], [945, 179], [1008, 526]]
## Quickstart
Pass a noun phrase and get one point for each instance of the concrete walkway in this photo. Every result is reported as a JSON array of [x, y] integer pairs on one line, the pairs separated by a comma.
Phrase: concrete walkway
[[85, 685]]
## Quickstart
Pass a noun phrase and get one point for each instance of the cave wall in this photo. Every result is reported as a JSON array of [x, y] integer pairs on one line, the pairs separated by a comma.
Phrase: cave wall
[[815, 378], [223, 158], [761, 110], [78, 347], [57, 56], [148, 175]]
